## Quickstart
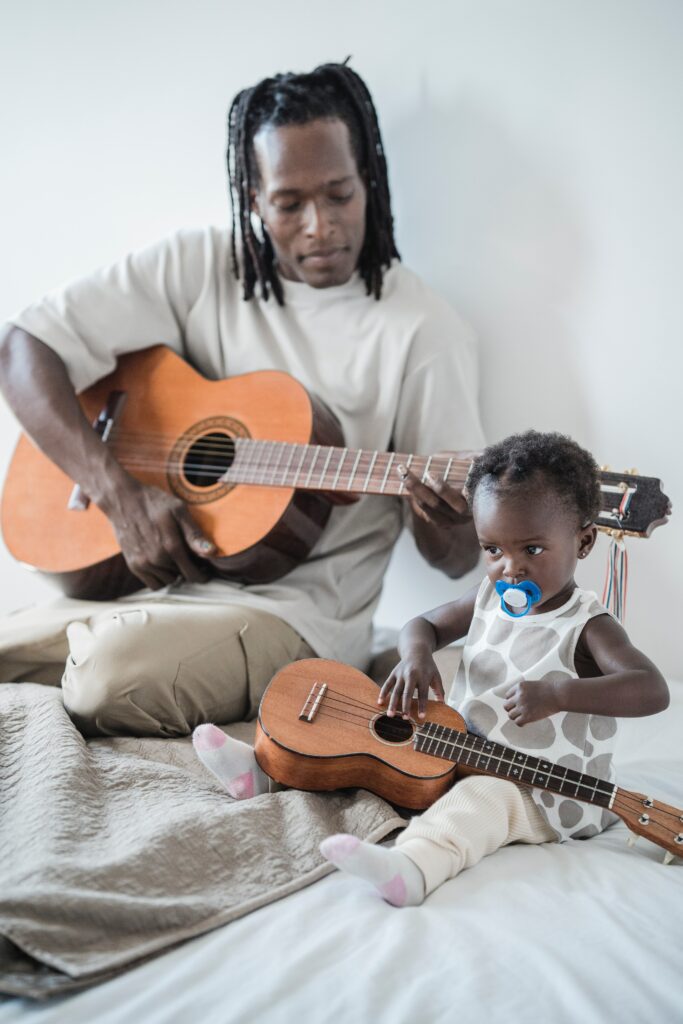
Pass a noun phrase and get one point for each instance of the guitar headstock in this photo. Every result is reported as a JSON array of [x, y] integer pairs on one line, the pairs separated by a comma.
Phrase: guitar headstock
[[632, 504], [660, 823]]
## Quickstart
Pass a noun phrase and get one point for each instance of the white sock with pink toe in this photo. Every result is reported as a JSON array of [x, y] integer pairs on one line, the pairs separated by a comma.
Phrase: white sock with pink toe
[[394, 875], [232, 762]]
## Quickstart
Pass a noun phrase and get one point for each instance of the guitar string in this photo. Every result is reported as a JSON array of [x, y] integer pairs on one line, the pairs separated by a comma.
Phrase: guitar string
[[245, 445], [277, 478], [217, 444], [186, 466], [214, 443], [257, 450], [211, 446], [625, 795]]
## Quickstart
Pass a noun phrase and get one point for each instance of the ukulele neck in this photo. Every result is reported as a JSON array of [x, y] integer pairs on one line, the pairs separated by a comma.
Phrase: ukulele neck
[[488, 758]]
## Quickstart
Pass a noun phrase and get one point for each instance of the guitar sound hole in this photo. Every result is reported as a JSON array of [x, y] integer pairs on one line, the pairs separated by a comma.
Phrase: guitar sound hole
[[393, 730], [208, 458]]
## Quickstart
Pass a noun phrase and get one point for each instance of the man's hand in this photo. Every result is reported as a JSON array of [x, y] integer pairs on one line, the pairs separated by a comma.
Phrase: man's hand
[[158, 537], [528, 701], [442, 524], [434, 501]]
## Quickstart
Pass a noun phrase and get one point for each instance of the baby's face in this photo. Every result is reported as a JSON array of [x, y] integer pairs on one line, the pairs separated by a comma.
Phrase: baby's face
[[526, 533]]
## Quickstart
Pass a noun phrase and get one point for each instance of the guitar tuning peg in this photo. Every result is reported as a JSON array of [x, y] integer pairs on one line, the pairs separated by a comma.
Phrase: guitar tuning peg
[[668, 857], [632, 839], [604, 469], [631, 472]]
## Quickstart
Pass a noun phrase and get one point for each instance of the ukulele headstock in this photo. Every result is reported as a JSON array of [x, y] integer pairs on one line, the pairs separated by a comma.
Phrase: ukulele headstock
[[659, 822]]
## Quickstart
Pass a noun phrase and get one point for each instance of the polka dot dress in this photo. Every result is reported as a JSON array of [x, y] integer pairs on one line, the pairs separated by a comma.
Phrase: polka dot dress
[[501, 651]]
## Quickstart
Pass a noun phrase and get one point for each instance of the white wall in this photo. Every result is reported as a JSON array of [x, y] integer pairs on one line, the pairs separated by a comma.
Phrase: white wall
[[536, 159]]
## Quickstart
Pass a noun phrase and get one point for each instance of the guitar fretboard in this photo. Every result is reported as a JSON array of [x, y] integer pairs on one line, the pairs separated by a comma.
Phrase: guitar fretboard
[[494, 759], [325, 468]]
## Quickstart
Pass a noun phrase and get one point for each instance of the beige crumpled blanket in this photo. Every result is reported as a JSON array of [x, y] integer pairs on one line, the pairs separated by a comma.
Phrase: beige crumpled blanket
[[113, 850]]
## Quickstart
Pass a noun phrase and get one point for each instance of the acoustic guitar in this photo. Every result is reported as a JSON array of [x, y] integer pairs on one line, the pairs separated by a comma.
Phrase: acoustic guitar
[[320, 728], [256, 457]]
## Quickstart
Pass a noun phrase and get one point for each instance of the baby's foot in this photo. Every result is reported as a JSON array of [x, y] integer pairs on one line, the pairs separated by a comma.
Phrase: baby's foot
[[233, 763], [397, 879]]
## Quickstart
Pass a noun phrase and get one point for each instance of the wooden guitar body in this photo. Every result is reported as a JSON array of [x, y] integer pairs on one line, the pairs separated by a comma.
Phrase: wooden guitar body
[[261, 532], [349, 741]]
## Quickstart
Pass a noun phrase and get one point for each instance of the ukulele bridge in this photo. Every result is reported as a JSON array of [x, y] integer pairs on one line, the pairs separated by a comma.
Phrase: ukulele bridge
[[312, 702]]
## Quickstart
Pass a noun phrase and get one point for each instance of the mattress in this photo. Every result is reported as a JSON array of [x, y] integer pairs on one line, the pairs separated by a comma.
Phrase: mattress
[[585, 931]]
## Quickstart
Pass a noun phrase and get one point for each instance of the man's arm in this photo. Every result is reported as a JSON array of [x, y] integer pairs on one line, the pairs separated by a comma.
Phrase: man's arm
[[157, 535]]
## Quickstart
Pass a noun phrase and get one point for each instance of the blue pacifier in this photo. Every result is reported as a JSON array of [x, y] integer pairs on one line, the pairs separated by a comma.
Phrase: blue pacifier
[[520, 596]]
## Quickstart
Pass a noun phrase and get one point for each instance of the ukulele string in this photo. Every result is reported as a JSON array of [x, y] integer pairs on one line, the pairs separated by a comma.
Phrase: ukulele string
[[635, 803], [464, 743], [462, 747], [363, 720], [363, 724]]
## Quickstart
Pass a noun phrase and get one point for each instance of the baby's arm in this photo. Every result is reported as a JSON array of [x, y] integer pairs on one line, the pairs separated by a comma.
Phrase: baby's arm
[[417, 642], [630, 685]]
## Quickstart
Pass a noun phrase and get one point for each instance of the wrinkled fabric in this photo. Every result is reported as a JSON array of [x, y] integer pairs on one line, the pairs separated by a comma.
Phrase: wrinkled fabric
[[112, 850]]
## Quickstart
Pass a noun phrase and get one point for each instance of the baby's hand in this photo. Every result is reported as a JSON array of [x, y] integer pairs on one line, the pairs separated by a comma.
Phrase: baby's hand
[[416, 672], [530, 700]]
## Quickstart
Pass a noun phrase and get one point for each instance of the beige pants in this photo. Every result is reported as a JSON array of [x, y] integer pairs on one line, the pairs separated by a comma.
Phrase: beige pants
[[474, 818], [150, 667]]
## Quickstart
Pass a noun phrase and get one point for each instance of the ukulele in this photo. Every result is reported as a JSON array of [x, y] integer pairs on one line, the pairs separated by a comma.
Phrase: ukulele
[[257, 459], [320, 728]]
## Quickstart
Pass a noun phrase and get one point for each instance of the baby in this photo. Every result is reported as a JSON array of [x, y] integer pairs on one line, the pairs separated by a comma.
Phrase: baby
[[545, 669]]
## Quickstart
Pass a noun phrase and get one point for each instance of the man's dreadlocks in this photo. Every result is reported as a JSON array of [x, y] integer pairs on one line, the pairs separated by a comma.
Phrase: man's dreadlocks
[[330, 91]]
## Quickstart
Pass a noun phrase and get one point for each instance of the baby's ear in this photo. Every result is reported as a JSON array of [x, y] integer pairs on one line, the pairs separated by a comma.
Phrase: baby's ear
[[587, 537]]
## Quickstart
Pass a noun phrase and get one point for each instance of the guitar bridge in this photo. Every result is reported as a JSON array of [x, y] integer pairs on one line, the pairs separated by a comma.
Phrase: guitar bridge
[[312, 702]]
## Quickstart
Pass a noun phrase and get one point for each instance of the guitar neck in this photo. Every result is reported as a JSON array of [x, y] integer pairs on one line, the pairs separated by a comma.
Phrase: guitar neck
[[324, 468], [488, 758], [629, 503]]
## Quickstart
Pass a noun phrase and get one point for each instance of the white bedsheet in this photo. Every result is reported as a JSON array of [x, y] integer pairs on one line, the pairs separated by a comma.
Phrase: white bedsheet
[[558, 934]]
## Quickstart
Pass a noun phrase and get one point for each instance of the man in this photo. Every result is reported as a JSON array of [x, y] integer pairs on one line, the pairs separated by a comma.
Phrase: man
[[324, 298]]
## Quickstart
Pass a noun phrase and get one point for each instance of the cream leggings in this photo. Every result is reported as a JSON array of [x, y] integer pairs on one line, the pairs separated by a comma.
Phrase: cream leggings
[[149, 667], [474, 818]]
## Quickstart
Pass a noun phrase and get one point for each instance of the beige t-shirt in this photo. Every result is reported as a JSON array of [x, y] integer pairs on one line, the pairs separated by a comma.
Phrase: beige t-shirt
[[400, 373]]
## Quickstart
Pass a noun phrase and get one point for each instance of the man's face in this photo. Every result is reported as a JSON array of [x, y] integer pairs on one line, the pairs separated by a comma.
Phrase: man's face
[[311, 199]]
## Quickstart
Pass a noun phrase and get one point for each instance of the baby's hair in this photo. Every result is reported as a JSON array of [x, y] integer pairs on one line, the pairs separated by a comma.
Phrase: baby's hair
[[569, 470]]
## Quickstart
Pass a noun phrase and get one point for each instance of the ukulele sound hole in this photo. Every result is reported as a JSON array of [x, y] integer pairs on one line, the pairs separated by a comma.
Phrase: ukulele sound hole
[[393, 730], [208, 458]]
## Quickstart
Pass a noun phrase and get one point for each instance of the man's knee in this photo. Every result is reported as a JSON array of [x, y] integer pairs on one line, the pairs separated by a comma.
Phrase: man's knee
[[110, 668]]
